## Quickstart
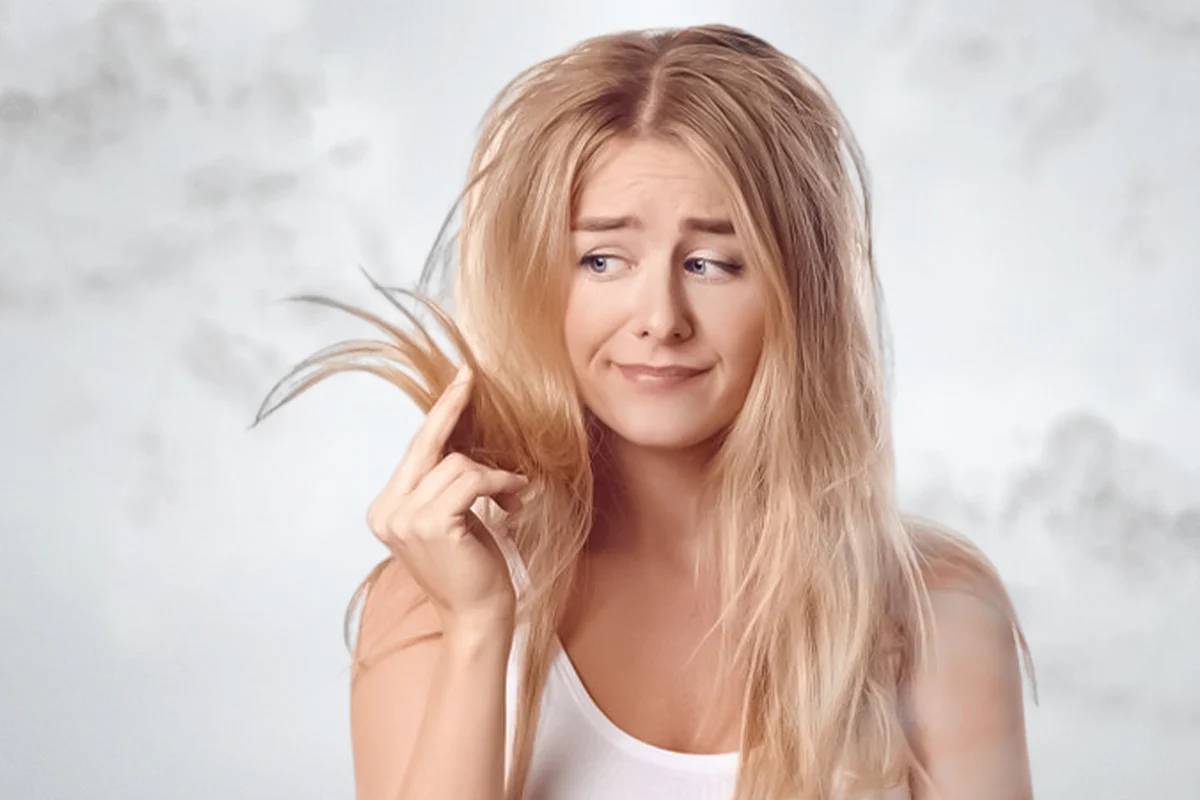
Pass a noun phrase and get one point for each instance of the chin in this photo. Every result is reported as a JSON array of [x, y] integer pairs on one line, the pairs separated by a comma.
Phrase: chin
[[661, 433]]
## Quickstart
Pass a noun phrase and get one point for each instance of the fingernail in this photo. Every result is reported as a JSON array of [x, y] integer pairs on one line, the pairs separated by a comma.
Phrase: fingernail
[[463, 374]]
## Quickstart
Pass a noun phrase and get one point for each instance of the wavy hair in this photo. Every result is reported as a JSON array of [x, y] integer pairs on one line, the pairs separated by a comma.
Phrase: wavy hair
[[824, 582]]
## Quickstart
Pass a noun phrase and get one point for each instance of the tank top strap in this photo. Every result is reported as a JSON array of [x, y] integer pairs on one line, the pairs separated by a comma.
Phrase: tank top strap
[[516, 565], [490, 515]]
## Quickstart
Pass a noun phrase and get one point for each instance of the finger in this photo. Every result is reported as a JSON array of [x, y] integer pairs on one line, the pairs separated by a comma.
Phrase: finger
[[491, 481], [510, 501], [429, 441], [462, 492], [439, 479]]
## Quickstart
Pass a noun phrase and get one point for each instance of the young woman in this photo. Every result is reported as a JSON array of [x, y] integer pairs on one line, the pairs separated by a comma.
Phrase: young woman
[[648, 545]]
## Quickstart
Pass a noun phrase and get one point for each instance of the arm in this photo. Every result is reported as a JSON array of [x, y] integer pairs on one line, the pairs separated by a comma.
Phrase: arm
[[427, 711], [963, 711]]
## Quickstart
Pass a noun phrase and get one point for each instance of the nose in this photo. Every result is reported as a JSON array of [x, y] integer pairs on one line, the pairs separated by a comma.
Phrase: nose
[[661, 307]]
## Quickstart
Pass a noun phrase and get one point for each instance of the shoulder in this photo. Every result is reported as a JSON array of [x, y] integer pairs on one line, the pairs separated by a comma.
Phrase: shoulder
[[396, 613], [962, 703]]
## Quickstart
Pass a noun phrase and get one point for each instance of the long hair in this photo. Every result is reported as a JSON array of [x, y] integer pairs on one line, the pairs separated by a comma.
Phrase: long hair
[[824, 582]]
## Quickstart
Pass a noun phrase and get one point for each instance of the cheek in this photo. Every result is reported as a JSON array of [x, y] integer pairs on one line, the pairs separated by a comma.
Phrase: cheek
[[750, 346], [734, 323], [583, 331], [742, 349]]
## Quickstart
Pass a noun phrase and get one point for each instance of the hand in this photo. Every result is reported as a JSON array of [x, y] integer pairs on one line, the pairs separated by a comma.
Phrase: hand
[[423, 516]]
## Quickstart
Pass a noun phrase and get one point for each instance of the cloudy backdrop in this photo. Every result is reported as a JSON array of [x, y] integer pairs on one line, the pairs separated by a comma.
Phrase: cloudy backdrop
[[173, 585]]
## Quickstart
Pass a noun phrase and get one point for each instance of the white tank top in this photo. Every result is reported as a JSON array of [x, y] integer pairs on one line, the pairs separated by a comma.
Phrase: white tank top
[[580, 754]]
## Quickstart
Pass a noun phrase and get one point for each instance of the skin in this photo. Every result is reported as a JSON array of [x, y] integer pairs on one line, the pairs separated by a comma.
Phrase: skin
[[659, 295], [656, 293], [417, 717]]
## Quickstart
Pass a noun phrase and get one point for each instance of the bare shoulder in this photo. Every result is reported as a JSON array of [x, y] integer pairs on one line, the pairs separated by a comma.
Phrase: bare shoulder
[[963, 706], [396, 614]]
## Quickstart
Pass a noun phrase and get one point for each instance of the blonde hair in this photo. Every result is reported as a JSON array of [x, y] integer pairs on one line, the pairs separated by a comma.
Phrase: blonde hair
[[823, 581]]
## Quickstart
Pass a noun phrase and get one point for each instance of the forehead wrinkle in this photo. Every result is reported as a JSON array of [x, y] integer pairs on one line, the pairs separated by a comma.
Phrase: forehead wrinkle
[[714, 209], [611, 193]]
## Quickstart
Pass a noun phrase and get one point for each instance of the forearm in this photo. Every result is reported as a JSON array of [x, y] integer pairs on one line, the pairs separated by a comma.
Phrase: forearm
[[459, 750]]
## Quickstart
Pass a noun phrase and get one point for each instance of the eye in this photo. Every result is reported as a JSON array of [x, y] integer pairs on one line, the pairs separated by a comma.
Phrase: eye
[[725, 266], [601, 257]]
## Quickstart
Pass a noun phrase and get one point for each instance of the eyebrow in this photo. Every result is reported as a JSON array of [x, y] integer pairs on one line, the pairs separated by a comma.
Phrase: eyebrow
[[720, 227]]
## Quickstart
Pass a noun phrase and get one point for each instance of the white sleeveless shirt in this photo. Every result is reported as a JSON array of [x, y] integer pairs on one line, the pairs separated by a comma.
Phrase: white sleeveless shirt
[[580, 754]]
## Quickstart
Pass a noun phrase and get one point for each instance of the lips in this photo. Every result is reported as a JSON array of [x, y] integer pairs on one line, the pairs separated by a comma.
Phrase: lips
[[675, 371]]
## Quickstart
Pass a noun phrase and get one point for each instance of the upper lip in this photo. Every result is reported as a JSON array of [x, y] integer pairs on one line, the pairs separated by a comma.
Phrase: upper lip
[[665, 370]]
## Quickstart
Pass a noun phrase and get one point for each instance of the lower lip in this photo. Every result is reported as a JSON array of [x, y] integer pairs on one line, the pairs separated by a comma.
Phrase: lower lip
[[645, 380]]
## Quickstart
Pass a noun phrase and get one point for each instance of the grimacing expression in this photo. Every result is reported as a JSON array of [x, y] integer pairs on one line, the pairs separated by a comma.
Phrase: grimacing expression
[[660, 279]]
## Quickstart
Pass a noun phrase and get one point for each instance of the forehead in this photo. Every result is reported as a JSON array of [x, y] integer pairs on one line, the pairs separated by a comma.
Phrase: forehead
[[627, 173]]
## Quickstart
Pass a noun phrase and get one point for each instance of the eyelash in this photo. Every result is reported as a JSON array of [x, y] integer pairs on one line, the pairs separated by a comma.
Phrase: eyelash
[[726, 266]]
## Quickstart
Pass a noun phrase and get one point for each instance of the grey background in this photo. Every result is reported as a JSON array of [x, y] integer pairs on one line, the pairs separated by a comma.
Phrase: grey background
[[173, 585]]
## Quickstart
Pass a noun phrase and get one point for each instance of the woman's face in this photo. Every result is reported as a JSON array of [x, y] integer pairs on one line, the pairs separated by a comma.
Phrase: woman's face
[[660, 289]]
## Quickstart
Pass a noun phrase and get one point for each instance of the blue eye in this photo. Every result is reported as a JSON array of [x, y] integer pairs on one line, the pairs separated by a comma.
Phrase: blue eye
[[726, 266], [591, 259]]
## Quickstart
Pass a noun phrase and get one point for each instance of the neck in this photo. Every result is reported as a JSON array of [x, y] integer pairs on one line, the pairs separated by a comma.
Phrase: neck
[[646, 500]]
